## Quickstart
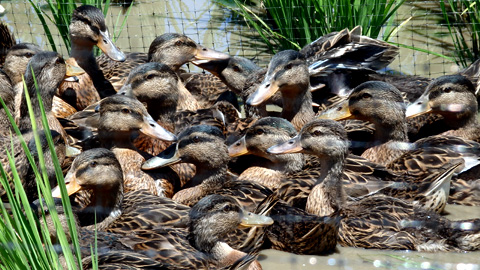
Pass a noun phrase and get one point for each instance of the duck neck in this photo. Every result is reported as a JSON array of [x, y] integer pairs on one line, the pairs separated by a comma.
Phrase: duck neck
[[286, 163], [83, 55], [115, 139], [297, 105], [210, 178], [392, 130], [25, 122], [105, 206], [327, 196]]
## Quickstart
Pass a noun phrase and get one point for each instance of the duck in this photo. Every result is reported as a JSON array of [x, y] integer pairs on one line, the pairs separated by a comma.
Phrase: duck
[[87, 29], [7, 40], [201, 246], [453, 98], [23, 167], [293, 175], [95, 184], [120, 118], [16, 61], [110, 251], [288, 74], [204, 146], [97, 172], [8, 97], [386, 218], [171, 49]]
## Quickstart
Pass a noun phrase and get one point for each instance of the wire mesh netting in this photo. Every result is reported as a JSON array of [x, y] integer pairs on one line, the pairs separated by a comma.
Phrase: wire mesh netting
[[214, 24]]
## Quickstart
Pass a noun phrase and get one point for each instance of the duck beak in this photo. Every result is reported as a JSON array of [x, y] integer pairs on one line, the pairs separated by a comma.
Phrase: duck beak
[[291, 146], [339, 112], [238, 148], [151, 128], [250, 219], [73, 70], [126, 90], [169, 156], [71, 151], [106, 45], [267, 89], [71, 185], [419, 107], [204, 55]]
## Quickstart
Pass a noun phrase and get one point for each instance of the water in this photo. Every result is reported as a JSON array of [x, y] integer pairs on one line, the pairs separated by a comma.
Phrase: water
[[358, 258]]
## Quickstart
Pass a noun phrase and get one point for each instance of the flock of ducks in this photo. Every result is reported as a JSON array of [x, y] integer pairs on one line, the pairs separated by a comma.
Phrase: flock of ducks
[[172, 176]]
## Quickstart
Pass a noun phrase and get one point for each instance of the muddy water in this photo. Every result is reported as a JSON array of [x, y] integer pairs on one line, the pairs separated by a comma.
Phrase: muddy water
[[356, 258]]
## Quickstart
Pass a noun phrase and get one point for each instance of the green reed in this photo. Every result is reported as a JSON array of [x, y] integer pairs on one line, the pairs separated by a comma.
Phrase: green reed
[[291, 24], [25, 245], [463, 22]]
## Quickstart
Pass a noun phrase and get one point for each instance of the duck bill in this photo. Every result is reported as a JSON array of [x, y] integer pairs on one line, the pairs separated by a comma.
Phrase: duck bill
[[151, 128], [168, 157], [291, 146], [238, 148], [419, 107], [267, 89], [250, 219], [106, 45], [126, 90], [339, 112], [205, 55], [71, 185], [73, 70]]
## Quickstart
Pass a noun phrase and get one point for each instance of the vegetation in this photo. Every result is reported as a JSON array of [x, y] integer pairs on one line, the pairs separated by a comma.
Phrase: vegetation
[[462, 19], [291, 24], [25, 245], [61, 15]]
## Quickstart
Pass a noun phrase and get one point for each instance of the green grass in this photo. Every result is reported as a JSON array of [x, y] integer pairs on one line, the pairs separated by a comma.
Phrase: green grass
[[291, 24], [23, 244], [61, 15], [463, 22]]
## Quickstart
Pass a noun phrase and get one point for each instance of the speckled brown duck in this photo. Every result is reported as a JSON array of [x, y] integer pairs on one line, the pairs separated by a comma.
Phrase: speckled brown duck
[[204, 146], [373, 221], [292, 175], [453, 97], [7, 40], [171, 49], [88, 29], [96, 173], [15, 66], [202, 245], [288, 74], [121, 117]]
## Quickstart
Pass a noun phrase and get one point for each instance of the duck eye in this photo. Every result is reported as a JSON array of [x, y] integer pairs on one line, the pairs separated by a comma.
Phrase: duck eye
[[227, 208], [59, 61], [150, 76], [28, 55], [447, 90], [93, 164], [366, 96], [125, 110], [317, 133], [196, 139], [178, 43], [289, 66], [236, 69], [259, 131]]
